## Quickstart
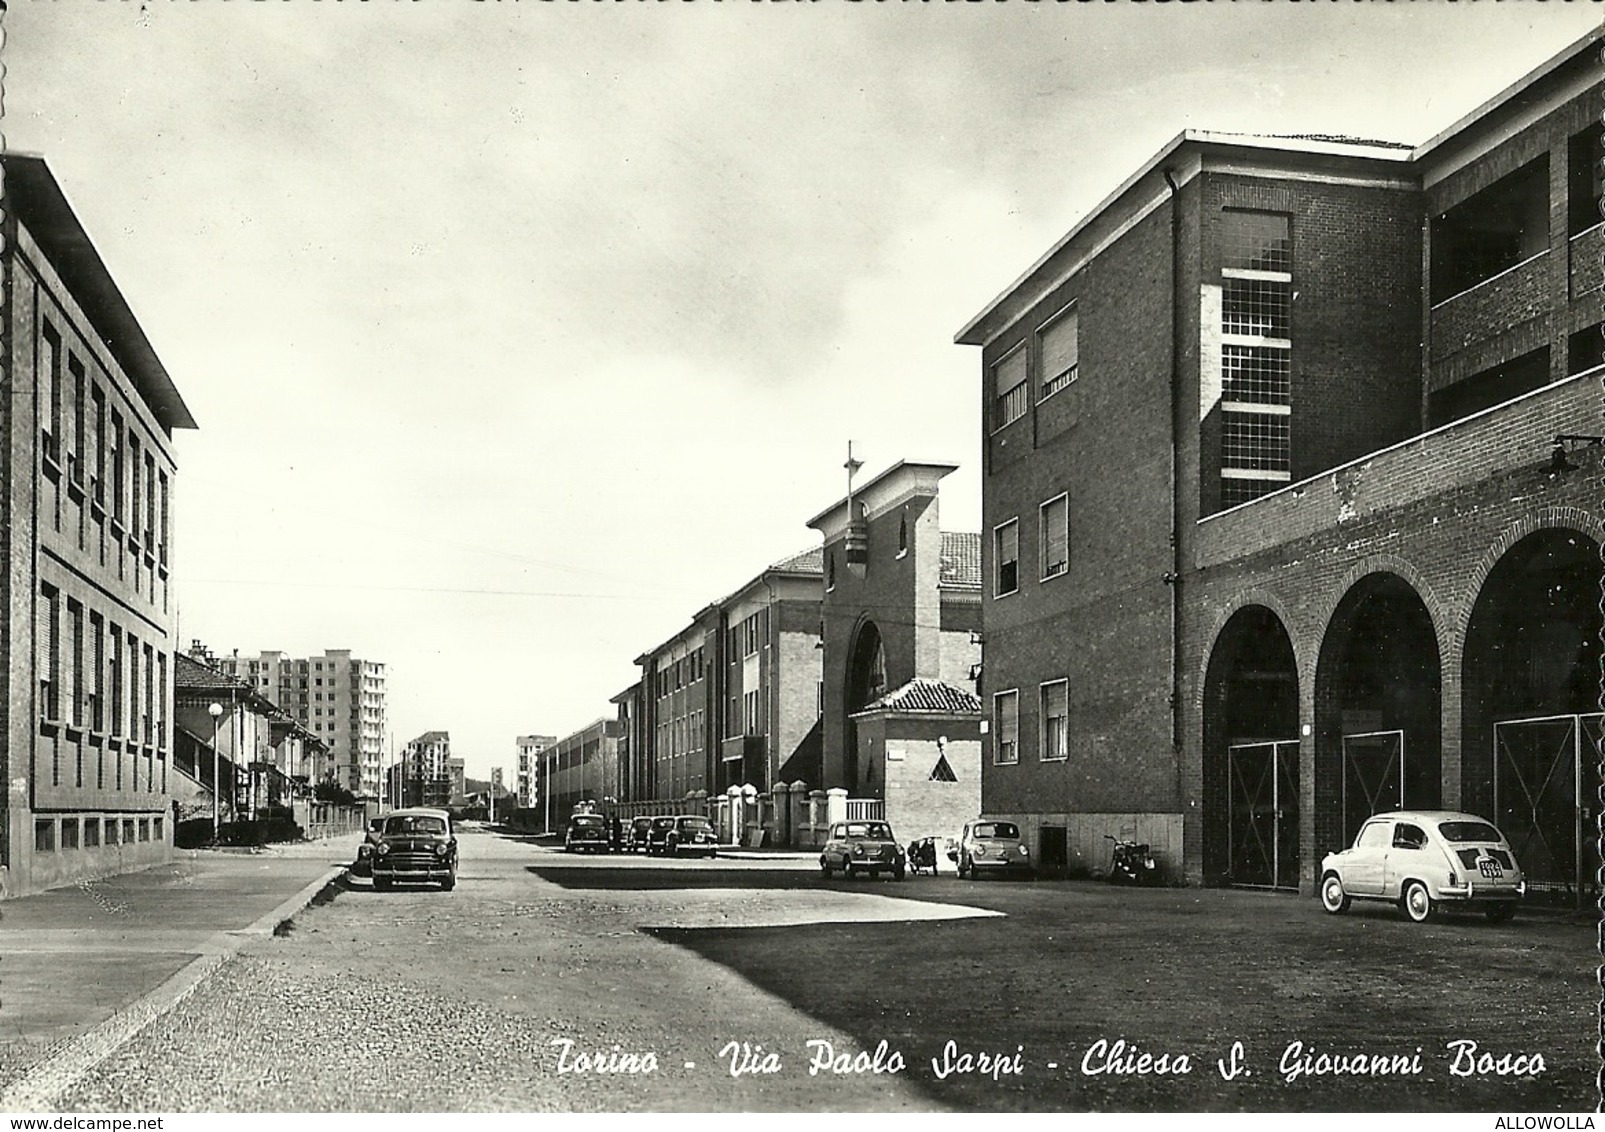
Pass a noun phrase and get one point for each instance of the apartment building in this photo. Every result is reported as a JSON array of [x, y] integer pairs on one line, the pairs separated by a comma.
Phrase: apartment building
[[335, 695], [423, 774], [1284, 520], [528, 767], [88, 551]]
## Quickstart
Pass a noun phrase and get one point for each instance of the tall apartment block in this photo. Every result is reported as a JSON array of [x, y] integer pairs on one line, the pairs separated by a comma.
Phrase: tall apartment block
[[528, 773], [88, 492], [1287, 502], [425, 771], [338, 697]]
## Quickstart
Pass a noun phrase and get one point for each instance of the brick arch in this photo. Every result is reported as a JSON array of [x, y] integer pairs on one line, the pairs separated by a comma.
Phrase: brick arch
[[1544, 519], [1254, 595], [1437, 610]]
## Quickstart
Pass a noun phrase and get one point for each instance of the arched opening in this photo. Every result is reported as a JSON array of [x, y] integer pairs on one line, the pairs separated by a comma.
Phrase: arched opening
[[1530, 715], [1377, 710], [866, 682], [1251, 754]]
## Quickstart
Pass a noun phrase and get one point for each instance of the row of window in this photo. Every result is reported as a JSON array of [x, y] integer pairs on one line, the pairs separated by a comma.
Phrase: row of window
[[1058, 362], [1053, 739], [682, 736], [92, 832], [94, 676], [748, 637], [1053, 546], [686, 670], [1256, 353], [88, 439]]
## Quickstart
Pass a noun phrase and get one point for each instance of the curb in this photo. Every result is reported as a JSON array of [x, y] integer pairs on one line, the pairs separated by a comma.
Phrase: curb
[[38, 1088]]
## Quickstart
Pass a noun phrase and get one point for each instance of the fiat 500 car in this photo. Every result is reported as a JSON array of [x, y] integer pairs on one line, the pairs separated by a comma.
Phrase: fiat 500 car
[[587, 832], [635, 836], [1423, 861], [862, 847], [415, 845], [993, 847], [690, 833]]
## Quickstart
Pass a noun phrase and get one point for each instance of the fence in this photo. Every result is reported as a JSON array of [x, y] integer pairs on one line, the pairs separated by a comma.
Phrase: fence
[[326, 819]]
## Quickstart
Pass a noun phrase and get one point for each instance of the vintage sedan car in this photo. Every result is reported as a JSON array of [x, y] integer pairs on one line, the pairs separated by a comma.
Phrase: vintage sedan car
[[635, 836], [1422, 860], [690, 833], [586, 833], [415, 845], [991, 848], [862, 847], [657, 834]]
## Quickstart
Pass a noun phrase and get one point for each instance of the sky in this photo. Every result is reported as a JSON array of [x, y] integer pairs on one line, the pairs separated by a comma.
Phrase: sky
[[518, 333]]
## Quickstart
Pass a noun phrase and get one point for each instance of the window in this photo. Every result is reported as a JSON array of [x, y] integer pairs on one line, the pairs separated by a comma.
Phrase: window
[[1055, 721], [1256, 354], [1257, 308], [49, 382], [1491, 232], [1009, 376], [1006, 727], [80, 408], [1060, 355], [69, 833], [1255, 241], [114, 679], [91, 833], [44, 835], [1055, 540], [114, 454], [73, 672], [49, 653], [94, 673], [96, 458], [1255, 375], [902, 534], [1006, 545], [1586, 179], [830, 571], [111, 823]]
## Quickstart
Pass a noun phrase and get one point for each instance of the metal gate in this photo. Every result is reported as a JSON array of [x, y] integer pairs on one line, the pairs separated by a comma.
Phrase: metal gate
[[1262, 817], [1373, 777], [1540, 766]]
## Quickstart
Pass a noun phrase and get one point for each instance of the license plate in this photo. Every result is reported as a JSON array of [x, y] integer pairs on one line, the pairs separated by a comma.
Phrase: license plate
[[1490, 868]]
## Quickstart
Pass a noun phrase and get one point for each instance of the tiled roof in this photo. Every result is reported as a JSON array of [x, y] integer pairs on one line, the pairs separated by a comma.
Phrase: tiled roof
[[810, 561], [191, 674], [920, 694], [961, 559]]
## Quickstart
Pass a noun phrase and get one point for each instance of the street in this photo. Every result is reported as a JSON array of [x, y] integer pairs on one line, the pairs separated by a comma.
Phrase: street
[[556, 982]]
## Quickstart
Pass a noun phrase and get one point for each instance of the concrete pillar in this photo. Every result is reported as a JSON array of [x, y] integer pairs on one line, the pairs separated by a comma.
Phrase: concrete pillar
[[835, 805], [780, 799]]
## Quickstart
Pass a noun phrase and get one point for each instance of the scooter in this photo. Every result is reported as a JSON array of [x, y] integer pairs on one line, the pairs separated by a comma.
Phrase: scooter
[[1131, 863]]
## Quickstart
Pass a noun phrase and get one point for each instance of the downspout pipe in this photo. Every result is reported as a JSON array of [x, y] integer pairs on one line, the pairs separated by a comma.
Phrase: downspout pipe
[[1174, 577]]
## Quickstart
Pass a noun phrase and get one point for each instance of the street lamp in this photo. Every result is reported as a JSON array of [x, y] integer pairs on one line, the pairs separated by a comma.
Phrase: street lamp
[[215, 710]]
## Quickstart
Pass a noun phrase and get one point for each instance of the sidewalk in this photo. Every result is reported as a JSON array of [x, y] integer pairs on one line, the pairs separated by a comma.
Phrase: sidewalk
[[74, 960]]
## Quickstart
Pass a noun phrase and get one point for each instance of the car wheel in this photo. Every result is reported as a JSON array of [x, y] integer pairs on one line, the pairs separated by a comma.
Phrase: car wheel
[[1333, 898], [1416, 902], [1501, 913], [964, 868], [847, 869]]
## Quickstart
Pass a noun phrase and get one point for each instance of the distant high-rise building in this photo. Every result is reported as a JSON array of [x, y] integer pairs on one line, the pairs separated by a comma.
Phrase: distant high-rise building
[[456, 770], [338, 697], [529, 748], [425, 770]]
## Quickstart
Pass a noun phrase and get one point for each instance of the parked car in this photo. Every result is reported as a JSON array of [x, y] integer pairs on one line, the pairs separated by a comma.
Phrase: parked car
[[690, 833], [993, 847], [657, 834], [862, 846], [1424, 859], [635, 836], [415, 845], [586, 832]]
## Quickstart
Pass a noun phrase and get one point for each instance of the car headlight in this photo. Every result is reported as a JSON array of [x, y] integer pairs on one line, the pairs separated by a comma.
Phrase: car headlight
[[382, 848], [980, 850], [858, 850], [1024, 852], [441, 848]]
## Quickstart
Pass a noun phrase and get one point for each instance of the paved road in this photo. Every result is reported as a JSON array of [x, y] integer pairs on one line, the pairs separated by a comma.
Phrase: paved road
[[423, 1000]]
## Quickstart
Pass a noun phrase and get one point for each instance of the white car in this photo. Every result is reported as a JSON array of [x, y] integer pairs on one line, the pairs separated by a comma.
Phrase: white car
[[1424, 859]]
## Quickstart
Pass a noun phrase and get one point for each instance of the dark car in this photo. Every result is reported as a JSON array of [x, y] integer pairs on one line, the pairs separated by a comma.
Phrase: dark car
[[657, 835], [587, 832], [689, 834], [635, 836], [415, 845], [862, 847]]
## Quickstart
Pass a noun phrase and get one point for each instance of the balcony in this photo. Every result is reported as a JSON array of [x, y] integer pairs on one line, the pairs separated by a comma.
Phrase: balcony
[[1586, 271], [1516, 295], [735, 748], [1508, 436]]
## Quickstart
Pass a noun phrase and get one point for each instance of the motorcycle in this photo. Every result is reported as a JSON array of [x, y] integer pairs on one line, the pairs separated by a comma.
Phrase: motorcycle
[[1131, 862], [922, 856]]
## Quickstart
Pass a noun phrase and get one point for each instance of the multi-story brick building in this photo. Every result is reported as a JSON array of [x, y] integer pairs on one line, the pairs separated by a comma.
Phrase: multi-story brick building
[[527, 774], [733, 696], [1279, 524], [88, 493], [583, 766], [338, 697]]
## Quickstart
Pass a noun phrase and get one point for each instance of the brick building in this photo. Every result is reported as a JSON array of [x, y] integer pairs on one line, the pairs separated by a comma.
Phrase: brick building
[[583, 766], [338, 697], [88, 492], [902, 617], [733, 697], [1278, 528]]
